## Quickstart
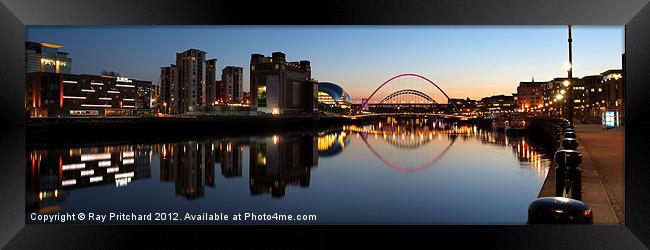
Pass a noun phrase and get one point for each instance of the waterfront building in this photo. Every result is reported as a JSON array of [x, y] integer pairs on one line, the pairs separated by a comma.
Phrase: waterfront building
[[593, 97], [232, 81], [144, 93], [56, 95], [579, 97], [613, 88], [168, 90], [220, 89], [614, 95], [211, 88], [247, 97], [497, 104], [332, 96], [155, 98], [555, 94], [530, 95], [466, 107], [190, 79], [46, 57], [282, 87]]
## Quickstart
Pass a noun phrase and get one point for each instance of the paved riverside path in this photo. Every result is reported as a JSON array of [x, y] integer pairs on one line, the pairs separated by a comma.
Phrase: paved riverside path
[[603, 176]]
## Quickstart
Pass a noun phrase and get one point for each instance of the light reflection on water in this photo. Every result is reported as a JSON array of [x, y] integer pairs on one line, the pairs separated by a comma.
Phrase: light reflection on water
[[394, 171]]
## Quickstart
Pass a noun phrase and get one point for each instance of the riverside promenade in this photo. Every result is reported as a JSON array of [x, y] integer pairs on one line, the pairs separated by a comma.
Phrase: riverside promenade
[[603, 177]]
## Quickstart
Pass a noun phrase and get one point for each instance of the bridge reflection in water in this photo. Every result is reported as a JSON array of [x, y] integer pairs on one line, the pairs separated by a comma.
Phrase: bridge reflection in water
[[413, 137], [69, 179]]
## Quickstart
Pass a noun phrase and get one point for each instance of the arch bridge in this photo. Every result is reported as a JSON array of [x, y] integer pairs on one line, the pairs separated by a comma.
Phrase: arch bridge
[[410, 92]]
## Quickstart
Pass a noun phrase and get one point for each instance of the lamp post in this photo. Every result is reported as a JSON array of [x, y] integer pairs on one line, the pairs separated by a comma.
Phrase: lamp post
[[569, 99]]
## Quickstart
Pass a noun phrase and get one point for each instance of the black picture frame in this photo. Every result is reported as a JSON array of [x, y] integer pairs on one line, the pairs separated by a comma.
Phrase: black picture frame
[[16, 14]]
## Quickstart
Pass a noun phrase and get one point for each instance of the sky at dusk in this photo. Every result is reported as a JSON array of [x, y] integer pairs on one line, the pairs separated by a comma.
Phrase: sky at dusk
[[465, 61]]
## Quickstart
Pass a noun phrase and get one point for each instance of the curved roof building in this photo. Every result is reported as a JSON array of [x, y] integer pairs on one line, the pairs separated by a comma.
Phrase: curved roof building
[[332, 94]]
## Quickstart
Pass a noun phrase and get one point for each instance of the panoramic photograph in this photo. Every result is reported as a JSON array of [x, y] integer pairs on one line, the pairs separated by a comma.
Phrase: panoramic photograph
[[370, 125]]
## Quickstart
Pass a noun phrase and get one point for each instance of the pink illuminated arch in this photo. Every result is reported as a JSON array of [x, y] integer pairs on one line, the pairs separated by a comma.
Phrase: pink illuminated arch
[[403, 75]]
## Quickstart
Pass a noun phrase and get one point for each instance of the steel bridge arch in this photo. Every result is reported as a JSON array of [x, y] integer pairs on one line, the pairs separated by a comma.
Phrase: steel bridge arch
[[403, 75], [408, 92]]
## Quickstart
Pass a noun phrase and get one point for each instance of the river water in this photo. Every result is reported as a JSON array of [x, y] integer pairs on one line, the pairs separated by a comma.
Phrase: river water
[[396, 171]]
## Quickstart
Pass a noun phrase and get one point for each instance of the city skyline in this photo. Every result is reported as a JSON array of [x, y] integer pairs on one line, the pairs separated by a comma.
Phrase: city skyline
[[299, 117], [490, 60]]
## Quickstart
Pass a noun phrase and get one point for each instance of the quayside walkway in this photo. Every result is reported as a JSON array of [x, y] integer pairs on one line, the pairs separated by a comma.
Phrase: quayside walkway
[[603, 177]]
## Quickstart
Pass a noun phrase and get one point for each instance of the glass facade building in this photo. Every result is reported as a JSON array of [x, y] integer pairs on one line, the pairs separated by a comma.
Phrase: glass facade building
[[333, 95], [46, 57]]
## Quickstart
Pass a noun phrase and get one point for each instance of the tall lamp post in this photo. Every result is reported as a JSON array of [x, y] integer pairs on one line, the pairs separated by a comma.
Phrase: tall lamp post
[[569, 99]]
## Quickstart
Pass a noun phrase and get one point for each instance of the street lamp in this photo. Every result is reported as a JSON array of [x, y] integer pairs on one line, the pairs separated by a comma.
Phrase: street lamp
[[566, 83], [569, 106]]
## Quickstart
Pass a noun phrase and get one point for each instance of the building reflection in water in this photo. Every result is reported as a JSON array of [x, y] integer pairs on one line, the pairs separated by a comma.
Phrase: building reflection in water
[[185, 165], [52, 173], [528, 154], [231, 156], [275, 162], [281, 160], [332, 142], [191, 165]]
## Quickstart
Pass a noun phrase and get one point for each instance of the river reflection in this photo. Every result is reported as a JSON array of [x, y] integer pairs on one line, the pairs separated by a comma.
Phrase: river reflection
[[425, 170]]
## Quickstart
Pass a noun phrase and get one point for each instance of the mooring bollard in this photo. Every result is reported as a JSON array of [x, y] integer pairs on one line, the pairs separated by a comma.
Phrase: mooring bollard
[[570, 143], [574, 182], [559, 210], [564, 159], [570, 134]]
